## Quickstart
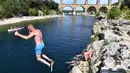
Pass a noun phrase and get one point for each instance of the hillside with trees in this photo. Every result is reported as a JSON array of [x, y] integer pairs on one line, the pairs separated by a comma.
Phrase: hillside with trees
[[16, 8]]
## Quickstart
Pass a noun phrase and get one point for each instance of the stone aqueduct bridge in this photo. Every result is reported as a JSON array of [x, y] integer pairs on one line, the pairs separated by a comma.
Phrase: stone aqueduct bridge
[[86, 6]]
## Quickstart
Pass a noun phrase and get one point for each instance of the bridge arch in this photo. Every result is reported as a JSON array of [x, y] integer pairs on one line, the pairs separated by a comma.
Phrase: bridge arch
[[92, 10], [88, 7], [103, 9], [80, 10], [67, 7]]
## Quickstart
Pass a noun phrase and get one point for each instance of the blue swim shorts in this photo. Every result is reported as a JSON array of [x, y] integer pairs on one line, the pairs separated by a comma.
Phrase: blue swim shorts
[[38, 48]]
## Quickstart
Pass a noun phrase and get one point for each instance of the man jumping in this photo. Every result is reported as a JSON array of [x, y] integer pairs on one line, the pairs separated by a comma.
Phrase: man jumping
[[39, 44]]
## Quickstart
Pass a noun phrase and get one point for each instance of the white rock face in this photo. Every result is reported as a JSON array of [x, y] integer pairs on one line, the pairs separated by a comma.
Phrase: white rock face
[[114, 50], [76, 70], [112, 46]]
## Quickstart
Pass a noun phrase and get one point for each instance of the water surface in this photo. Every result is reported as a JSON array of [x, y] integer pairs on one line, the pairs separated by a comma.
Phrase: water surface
[[64, 37]]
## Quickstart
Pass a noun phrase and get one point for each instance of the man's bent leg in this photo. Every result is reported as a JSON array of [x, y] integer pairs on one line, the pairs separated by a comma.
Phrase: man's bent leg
[[42, 60], [86, 58], [43, 55]]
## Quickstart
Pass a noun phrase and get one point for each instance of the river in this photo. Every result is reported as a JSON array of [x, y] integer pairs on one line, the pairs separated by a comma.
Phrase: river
[[64, 37]]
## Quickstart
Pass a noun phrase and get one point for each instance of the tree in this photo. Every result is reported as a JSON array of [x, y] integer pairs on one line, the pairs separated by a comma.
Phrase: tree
[[114, 13], [125, 3], [9, 8], [5, 11], [126, 12], [127, 15], [33, 12], [51, 4], [125, 9], [16, 7]]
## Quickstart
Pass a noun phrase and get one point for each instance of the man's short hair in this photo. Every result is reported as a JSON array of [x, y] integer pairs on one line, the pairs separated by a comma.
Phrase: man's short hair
[[30, 25]]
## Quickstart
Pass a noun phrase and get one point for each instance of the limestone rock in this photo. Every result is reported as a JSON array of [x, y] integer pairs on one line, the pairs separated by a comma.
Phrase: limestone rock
[[83, 67], [112, 48], [101, 36], [128, 33], [76, 70], [113, 53]]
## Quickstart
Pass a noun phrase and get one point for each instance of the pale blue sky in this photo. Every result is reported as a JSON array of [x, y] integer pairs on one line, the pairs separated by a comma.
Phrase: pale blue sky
[[82, 2]]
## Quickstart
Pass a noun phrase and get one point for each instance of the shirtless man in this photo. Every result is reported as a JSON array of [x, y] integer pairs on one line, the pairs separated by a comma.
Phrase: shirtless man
[[39, 44], [88, 55]]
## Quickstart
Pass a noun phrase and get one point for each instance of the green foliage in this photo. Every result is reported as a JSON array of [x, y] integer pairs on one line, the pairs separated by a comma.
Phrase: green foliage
[[59, 12], [127, 15], [9, 8], [5, 12], [126, 12], [92, 39], [45, 10], [114, 13], [103, 9], [97, 14], [95, 37], [51, 4], [125, 9], [33, 12], [125, 3]]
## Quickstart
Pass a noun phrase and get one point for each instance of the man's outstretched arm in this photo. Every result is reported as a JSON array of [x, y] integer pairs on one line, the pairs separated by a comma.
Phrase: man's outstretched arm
[[23, 36]]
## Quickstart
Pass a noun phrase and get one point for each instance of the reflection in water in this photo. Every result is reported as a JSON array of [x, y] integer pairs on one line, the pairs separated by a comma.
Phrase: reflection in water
[[73, 19]]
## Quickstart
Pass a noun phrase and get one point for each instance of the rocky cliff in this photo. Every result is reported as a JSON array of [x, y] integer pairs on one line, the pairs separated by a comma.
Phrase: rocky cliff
[[111, 41]]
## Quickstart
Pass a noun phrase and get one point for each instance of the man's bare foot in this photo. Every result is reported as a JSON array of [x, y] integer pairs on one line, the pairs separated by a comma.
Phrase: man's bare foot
[[52, 63]]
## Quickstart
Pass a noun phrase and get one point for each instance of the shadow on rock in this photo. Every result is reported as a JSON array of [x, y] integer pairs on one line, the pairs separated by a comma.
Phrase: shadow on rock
[[119, 70]]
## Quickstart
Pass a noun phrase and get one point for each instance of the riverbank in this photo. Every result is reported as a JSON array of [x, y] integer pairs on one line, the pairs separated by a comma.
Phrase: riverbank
[[26, 18], [111, 41]]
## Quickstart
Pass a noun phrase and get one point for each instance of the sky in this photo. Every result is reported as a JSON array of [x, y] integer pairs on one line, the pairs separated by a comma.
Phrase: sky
[[82, 2]]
